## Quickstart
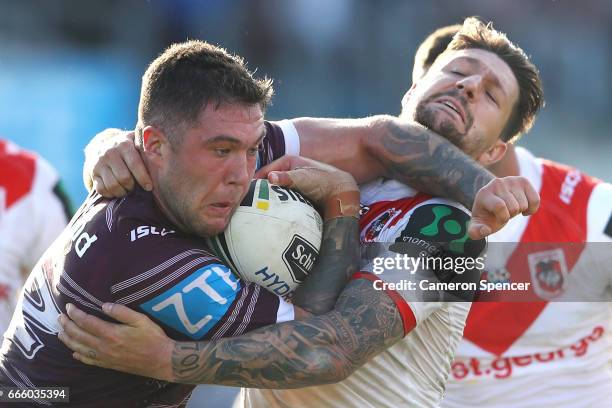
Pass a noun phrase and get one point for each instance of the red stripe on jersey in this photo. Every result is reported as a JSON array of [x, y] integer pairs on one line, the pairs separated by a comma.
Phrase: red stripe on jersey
[[17, 175], [562, 217], [408, 318], [385, 211]]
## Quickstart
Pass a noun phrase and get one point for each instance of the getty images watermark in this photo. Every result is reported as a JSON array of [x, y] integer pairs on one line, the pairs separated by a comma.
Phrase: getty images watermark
[[403, 263]]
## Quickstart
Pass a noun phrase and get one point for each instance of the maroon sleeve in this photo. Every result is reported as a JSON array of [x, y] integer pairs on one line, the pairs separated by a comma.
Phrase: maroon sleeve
[[273, 145]]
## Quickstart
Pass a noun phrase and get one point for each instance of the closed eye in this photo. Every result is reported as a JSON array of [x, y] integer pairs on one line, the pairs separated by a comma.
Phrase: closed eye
[[490, 96], [458, 73]]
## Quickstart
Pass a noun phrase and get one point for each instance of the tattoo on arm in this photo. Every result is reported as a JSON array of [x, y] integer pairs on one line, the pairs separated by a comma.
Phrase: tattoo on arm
[[337, 261], [319, 350], [428, 162]]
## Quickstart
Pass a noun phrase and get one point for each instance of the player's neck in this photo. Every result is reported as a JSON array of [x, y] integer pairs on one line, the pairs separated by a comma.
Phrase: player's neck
[[508, 165], [165, 210]]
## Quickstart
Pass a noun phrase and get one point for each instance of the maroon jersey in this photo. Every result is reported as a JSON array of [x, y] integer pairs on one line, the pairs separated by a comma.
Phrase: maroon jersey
[[126, 251]]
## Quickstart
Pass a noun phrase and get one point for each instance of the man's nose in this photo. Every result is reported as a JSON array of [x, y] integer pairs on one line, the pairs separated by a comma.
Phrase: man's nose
[[471, 86], [238, 171]]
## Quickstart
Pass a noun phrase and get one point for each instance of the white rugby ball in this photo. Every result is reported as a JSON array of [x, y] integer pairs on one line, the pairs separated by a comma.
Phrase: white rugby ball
[[273, 238]]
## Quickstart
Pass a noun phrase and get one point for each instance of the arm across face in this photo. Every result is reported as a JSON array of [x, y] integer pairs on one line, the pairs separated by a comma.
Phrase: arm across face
[[379, 145], [394, 148], [367, 148]]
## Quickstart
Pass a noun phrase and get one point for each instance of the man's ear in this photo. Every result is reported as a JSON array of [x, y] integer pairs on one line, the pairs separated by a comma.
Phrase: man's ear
[[494, 154], [154, 142]]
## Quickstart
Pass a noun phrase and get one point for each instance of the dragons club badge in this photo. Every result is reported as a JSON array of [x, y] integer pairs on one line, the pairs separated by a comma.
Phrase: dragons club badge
[[548, 273]]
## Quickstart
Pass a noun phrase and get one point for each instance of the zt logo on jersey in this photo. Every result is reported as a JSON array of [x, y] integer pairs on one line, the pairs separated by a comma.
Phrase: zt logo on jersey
[[36, 311], [197, 303]]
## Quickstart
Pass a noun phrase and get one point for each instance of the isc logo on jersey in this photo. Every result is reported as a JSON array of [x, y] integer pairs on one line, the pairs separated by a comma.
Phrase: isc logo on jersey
[[194, 305], [273, 239], [145, 230]]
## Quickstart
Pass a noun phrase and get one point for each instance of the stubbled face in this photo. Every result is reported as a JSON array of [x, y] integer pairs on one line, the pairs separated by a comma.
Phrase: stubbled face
[[467, 96], [203, 179]]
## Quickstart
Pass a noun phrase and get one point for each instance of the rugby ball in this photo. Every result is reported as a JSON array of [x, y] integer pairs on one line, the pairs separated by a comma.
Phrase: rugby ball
[[273, 238]]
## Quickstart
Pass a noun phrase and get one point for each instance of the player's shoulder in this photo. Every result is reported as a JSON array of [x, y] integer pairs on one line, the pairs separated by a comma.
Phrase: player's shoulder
[[602, 192], [135, 247], [569, 184], [135, 230]]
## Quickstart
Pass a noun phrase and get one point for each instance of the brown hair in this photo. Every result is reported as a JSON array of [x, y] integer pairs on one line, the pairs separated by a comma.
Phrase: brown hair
[[188, 76], [430, 48], [475, 34]]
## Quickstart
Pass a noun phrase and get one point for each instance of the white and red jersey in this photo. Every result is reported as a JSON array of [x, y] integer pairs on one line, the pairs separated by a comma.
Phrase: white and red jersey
[[545, 354], [414, 371], [33, 212]]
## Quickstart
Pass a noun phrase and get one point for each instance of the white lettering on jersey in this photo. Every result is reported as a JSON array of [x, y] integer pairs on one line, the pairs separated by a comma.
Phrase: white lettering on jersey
[[144, 230], [176, 300], [225, 276], [82, 239], [569, 184], [83, 243], [200, 283]]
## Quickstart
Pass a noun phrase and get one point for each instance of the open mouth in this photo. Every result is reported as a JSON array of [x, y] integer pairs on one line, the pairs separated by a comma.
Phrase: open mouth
[[455, 107]]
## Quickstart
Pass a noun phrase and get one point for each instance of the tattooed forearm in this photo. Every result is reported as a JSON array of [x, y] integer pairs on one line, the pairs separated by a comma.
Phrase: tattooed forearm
[[319, 350], [337, 261], [428, 162]]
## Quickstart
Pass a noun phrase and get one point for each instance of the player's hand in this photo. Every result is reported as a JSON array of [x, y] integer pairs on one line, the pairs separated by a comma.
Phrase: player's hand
[[334, 191], [138, 346], [115, 163], [500, 200]]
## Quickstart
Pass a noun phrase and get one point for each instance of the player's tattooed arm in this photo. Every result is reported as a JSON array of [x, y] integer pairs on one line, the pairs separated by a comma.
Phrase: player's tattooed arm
[[389, 146], [320, 350], [426, 161], [337, 261]]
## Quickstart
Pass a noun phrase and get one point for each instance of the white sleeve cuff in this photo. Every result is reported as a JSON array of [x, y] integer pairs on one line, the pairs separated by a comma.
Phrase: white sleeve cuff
[[292, 138], [285, 311]]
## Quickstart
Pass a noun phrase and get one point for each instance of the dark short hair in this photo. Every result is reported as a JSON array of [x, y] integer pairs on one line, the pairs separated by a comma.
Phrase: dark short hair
[[430, 48], [475, 34], [188, 76]]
